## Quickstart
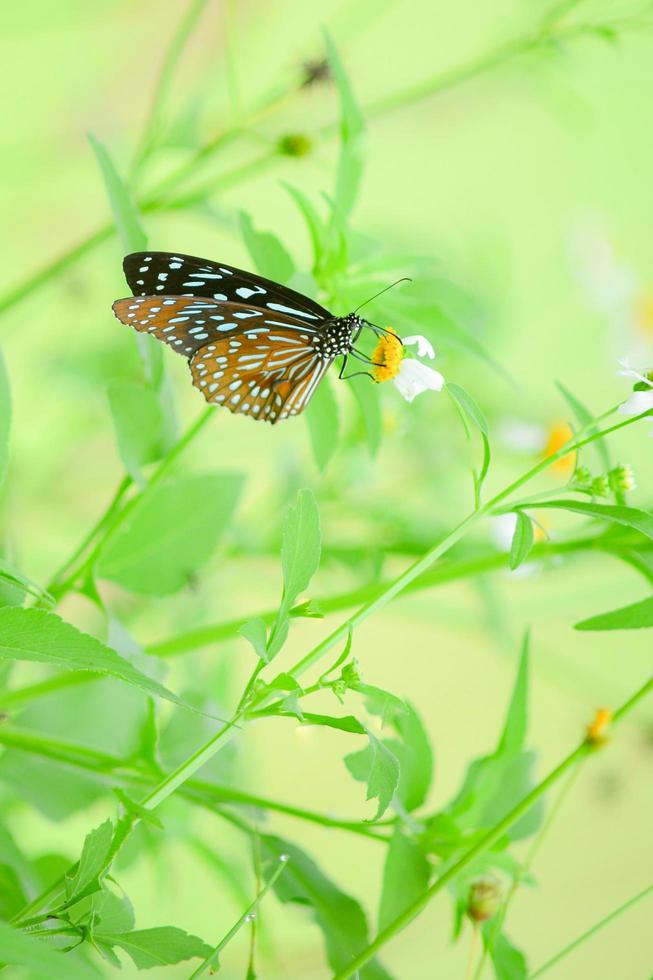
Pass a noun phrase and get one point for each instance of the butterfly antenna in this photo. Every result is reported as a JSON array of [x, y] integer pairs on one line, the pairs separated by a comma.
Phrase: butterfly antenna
[[381, 291]]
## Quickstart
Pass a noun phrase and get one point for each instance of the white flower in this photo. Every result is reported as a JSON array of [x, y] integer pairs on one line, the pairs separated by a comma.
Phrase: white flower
[[413, 377], [639, 401]]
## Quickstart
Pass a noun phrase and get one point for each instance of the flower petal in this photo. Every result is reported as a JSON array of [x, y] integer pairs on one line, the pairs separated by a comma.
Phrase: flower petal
[[424, 346], [639, 401], [414, 377]]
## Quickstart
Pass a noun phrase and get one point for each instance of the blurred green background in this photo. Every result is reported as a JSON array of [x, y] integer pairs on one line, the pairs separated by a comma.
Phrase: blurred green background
[[518, 183]]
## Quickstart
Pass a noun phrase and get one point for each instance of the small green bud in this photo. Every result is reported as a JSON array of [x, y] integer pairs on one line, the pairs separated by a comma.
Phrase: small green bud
[[295, 145], [350, 674], [600, 486], [484, 898], [622, 478], [581, 480]]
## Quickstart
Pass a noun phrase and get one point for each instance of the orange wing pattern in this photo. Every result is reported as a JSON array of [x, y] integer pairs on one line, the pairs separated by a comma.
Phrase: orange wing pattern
[[254, 362]]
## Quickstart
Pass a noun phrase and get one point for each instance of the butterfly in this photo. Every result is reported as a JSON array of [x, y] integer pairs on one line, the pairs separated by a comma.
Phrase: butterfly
[[253, 345]]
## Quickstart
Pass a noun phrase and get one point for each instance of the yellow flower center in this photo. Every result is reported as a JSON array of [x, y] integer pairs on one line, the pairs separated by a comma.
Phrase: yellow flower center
[[388, 355]]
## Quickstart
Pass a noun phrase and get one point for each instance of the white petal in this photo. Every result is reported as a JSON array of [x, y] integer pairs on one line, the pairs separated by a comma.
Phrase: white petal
[[414, 377], [639, 401], [424, 347]]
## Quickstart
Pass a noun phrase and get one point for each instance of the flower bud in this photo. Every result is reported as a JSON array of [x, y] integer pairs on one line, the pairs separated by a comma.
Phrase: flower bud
[[622, 478], [484, 899], [600, 486], [295, 145]]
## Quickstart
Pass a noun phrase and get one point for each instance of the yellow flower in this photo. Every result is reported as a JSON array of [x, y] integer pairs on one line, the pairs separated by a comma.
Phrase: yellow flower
[[388, 355], [596, 731], [559, 433]]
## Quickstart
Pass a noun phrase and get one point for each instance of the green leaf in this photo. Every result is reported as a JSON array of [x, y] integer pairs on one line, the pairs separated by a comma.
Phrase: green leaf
[[268, 254], [495, 783], [5, 419], [14, 586], [143, 431], [132, 236], [369, 404], [415, 756], [35, 635], [347, 723], [300, 558], [322, 419], [172, 531], [91, 864], [256, 632], [12, 896], [132, 239], [18, 949], [640, 520], [637, 616], [509, 962], [316, 227], [339, 917], [405, 877], [384, 704], [465, 401], [513, 736], [522, 539], [585, 418], [379, 768], [160, 946], [350, 163]]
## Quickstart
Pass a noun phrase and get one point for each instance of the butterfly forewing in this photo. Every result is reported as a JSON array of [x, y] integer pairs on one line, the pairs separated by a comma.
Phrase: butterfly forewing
[[174, 274]]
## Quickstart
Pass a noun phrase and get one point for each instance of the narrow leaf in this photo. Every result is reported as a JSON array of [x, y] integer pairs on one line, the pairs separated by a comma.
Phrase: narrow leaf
[[513, 736], [369, 404], [300, 551], [132, 236], [472, 410], [522, 539], [640, 520], [637, 616], [322, 420], [585, 418], [350, 163], [268, 254]]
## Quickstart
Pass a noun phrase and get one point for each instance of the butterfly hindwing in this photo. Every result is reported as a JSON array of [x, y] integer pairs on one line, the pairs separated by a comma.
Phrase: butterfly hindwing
[[269, 381], [174, 274]]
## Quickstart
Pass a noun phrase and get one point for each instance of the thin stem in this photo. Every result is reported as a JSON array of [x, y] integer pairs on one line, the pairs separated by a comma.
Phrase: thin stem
[[482, 845], [443, 82], [500, 918], [116, 500], [398, 585], [591, 932], [444, 573], [212, 958], [164, 81], [115, 517]]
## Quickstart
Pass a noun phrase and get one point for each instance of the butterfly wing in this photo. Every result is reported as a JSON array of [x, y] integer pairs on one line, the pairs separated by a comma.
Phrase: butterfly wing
[[254, 362], [173, 274], [251, 376]]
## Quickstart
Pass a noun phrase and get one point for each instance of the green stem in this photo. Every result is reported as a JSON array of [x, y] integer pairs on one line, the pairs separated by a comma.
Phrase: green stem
[[591, 932], [486, 841], [212, 958], [442, 82], [164, 81], [500, 918], [437, 551], [442, 574], [112, 769], [115, 517], [55, 583]]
